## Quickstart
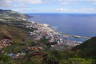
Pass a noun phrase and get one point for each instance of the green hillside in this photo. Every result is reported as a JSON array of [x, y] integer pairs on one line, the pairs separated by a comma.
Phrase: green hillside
[[87, 49]]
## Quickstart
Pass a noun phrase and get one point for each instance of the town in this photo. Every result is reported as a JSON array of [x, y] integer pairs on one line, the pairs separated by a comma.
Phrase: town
[[45, 30]]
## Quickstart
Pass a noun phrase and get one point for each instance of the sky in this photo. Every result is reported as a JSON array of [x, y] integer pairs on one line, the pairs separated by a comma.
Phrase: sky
[[50, 6]]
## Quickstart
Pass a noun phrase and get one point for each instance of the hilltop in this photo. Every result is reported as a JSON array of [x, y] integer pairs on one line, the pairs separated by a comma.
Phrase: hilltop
[[9, 15]]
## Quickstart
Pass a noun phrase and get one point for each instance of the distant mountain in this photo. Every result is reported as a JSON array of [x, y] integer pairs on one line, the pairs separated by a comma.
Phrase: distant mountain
[[87, 49]]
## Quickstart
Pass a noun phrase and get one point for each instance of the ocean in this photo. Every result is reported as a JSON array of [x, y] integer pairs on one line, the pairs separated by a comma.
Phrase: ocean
[[75, 24]]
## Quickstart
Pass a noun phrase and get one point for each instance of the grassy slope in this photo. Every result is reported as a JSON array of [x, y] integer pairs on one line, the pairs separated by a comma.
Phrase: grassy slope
[[88, 48], [12, 32]]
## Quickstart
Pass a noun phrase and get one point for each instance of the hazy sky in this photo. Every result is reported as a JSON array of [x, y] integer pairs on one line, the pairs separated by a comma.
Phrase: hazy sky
[[50, 6]]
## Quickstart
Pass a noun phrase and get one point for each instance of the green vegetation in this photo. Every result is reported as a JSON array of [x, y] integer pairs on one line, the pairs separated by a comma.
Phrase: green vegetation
[[87, 49]]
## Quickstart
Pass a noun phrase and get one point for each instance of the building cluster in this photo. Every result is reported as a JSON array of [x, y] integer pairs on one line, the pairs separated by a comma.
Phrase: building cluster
[[34, 48], [65, 45], [44, 30], [4, 43], [34, 51]]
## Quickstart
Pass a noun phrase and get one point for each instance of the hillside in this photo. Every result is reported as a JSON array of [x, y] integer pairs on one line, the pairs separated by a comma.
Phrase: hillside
[[12, 25], [87, 49]]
